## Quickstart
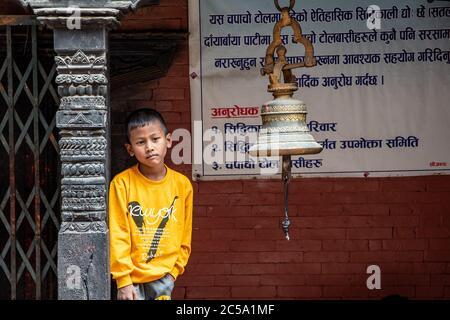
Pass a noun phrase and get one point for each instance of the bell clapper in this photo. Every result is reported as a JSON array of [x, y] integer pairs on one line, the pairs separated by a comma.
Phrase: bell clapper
[[286, 176]]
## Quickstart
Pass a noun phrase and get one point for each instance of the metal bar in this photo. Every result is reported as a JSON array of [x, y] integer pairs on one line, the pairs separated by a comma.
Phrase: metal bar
[[37, 190], [12, 178]]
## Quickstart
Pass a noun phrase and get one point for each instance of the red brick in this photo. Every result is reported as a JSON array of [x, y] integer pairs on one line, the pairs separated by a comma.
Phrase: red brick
[[213, 223], [272, 211], [208, 292], [178, 71], [210, 269], [326, 256], [405, 245], [220, 187], [402, 184], [169, 94], [196, 281], [433, 197], [332, 222], [440, 279], [232, 234], [282, 279], [322, 210], [182, 57], [404, 280], [171, 117], [218, 211], [299, 292], [397, 267], [252, 246], [311, 185], [252, 199], [401, 210], [356, 185], [236, 280], [429, 267], [210, 246], [276, 234], [439, 184], [446, 221], [376, 257], [375, 245], [200, 257], [254, 268], [366, 209], [263, 186], [439, 256], [335, 279], [257, 223], [302, 199], [344, 268], [323, 233], [431, 220], [447, 293], [345, 292], [275, 257], [12, 8], [369, 233], [440, 244], [402, 291], [393, 221], [201, 234], [179, 293], [434, 209], [404, 233], [235, 257], [162, 11], [299, 245], [210, 199], [345, 197], [253, 292], [429, 292], [300, 268], [433, 232], [345, 245], [393, 197]]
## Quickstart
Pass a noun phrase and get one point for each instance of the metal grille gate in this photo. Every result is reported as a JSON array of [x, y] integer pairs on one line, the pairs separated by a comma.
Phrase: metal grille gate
[[29, 162]]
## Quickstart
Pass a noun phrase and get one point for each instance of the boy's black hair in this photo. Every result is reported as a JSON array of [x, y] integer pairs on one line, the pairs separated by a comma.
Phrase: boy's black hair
[[142, 117]]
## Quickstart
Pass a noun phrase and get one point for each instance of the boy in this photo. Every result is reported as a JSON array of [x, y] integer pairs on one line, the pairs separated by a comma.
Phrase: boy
[[150, 214]]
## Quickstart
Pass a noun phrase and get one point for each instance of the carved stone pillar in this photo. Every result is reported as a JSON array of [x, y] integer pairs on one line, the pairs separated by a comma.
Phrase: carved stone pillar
[[83, 239], [83, 121], [81, 43]]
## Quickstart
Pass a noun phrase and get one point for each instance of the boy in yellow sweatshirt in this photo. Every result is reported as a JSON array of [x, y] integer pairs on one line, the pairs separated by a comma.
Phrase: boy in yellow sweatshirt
[[150, 214]]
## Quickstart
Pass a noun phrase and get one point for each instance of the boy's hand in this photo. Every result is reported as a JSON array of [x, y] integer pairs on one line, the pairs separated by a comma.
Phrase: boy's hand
[[127, 293]]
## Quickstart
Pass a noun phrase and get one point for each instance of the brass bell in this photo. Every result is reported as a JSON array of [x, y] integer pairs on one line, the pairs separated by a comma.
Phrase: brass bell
[[284, 131]]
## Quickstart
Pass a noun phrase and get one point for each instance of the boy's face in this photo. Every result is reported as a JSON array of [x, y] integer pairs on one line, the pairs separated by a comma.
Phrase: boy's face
[[149, 144]]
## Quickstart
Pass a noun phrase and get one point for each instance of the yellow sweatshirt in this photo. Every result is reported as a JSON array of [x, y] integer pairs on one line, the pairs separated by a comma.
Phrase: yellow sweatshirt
[[150, 225]]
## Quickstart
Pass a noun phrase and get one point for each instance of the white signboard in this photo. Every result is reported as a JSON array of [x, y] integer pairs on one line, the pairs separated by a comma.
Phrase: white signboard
[[378, 100]]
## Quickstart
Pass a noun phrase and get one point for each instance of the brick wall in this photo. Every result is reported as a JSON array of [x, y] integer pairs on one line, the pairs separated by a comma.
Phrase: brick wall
[[11, 7], [339, 226]]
